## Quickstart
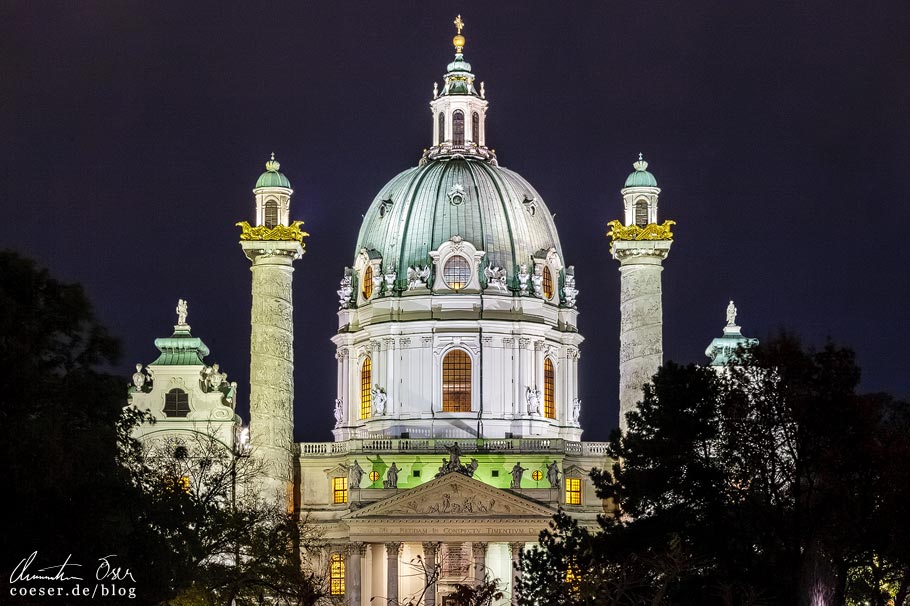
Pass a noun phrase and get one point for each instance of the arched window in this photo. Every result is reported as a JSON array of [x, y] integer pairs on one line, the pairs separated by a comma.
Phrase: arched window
[[547, 283], [336, 574], [475, 128], [456, 382], [442, 128], [457, 272], [458, 127], [641, 213], [549, 389], [176, 403], [271, 213], [366, 383], [367, 286]]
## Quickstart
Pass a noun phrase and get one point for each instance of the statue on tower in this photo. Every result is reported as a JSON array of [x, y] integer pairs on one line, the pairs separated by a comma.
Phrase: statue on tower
[[731, 314], [181, 312]]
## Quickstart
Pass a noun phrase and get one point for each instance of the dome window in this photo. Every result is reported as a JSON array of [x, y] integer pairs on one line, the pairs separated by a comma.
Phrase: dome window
[[367, 286], [549, 389], [271, 213], [458, 128], [442, 128], [475, 128], [176, 403], [457, 272], [547, 283], [456, 382]]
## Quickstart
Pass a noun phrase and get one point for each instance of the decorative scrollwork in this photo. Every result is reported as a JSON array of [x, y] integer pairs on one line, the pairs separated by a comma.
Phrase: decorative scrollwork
[[651, 231], [279, 232]]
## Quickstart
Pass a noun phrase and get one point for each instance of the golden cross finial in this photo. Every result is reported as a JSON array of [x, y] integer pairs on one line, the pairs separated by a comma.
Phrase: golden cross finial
[[459, 24]]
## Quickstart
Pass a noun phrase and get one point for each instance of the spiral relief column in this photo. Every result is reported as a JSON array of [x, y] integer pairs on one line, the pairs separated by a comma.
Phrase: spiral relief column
[[272, 245], [640, 245]]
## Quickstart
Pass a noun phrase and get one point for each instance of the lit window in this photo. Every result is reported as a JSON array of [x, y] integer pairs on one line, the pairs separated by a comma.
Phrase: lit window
[[374, 475], [457, 272], [271, 214], [458, 127], [475, 128], [368, 282], [573, 491], [339, 490], [547, 283], [549, 395], [336, 574], [366, 383], [176, 403], [442, 128], [456, 382], [641, 213]]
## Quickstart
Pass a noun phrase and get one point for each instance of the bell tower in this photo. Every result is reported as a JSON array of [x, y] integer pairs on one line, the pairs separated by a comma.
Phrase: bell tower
[[640, 245], [272, 245]]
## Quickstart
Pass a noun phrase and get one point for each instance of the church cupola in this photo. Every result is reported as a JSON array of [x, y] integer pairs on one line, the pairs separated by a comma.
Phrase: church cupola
[[639, 195], [273, 196], [459, 109]]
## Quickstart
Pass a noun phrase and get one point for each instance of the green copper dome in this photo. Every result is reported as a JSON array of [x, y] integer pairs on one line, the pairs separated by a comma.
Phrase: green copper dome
[[641, 177], [271, 177], [493, 208]]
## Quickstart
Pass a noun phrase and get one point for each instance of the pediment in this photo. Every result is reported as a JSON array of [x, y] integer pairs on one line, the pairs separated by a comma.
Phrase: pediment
[[454, 495]]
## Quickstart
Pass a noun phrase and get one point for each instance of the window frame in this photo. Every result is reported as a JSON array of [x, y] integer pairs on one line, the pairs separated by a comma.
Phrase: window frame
[[574, 488], [337, 574], [549, 388], [270, 205], [176, 391], [465, 279], [642, 208], [458, 128], [442, 128], [366, 282], [339, 490], [366, 388], [464, 396]]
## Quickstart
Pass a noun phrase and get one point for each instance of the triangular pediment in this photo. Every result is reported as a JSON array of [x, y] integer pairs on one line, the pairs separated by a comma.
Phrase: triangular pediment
[[454, 495]]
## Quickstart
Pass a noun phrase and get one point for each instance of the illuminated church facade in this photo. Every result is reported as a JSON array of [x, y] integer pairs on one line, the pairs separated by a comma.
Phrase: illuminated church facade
[[457, 432]]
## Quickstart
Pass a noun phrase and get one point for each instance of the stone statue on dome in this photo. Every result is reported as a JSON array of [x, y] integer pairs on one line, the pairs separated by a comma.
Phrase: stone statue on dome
[[731, 314], [379, 399], [339, 411], [533, 397]]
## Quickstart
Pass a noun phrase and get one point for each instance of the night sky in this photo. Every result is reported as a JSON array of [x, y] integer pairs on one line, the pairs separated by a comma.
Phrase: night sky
[[779, 133]]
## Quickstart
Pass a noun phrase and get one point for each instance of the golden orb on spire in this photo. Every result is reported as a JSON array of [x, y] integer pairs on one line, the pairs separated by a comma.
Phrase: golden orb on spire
[[458, 40]]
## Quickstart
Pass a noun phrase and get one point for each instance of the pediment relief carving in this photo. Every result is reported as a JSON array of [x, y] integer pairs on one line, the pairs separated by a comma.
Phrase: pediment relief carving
[[453, 495]]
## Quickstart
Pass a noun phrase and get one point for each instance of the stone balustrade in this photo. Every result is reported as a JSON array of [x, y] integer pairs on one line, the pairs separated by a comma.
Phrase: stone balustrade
[[467, 446]]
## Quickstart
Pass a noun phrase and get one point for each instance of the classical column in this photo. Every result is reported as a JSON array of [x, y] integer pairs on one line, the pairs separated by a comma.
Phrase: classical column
[[429, 562], [480, 561], [391, 593], [516, 571], [353, 579]]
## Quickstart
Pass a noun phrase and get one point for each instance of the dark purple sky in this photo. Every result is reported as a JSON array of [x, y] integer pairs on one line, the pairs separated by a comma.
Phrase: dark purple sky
[[780, 133]]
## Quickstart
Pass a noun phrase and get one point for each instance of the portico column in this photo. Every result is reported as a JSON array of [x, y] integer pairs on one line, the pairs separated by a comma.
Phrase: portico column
[[429, 563], [516, 571], [391, 593], [480, 561], [354, 583]]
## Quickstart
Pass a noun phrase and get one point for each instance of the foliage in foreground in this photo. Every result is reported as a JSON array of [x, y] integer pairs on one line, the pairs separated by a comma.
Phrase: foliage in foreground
[[772, 483]]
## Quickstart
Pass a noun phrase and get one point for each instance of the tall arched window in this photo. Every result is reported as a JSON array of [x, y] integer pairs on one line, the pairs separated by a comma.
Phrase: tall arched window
[[458, 127], [366, 383], [176, 403], [442, 128], [641, 213], [475, 128], [367, 286], [547, 283], [549, 389], [336, 574], [271, 213], [456, 382]]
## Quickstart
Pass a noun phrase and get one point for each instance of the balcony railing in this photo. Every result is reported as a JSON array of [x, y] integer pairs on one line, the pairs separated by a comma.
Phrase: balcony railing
[[467, 446]]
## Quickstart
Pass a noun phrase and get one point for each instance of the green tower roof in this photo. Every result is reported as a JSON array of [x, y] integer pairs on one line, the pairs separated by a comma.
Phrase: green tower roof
[[181, 348], [271, 177], [641, 177]]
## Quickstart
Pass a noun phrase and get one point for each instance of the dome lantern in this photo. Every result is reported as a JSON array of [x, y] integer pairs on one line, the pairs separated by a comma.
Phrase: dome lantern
[[273, 196]]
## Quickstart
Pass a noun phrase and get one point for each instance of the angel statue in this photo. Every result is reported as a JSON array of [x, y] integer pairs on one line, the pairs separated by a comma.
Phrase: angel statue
[[496, 278], [418, 276]]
